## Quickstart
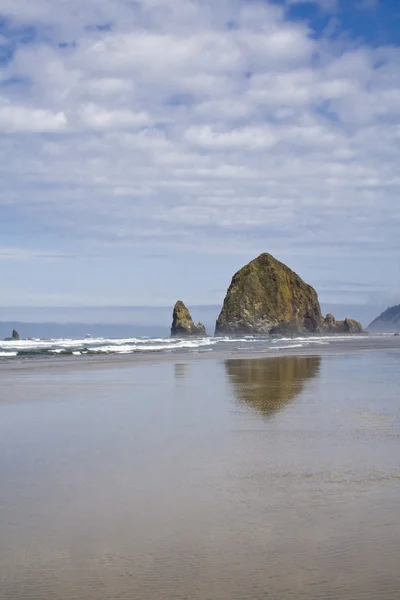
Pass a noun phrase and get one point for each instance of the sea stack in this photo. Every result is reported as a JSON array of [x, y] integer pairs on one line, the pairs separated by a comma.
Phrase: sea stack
[[266, 295], [14, 337], [182, 323]]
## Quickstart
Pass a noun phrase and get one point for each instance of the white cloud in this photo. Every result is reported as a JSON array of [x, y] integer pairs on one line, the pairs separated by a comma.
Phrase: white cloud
[[98, 117], [19, 118], [187, 120]]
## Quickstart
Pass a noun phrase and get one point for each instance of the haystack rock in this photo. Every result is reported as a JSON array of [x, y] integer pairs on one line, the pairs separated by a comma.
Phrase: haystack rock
[[183, 325], [266, 295]]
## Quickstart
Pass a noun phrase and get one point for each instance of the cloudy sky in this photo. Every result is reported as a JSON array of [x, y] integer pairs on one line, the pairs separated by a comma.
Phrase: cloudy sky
[[150, 148]]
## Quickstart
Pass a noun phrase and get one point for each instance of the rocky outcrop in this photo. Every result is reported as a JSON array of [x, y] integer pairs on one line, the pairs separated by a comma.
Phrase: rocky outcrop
[[14, 336], [183, 325], [388, 321], [331, 326], [352, 326], [266, 294]]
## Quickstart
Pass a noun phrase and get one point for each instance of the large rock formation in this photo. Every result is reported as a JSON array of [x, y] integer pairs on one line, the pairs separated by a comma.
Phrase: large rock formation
[[388, 321], [183, 325], [266, 294], [266, 297]]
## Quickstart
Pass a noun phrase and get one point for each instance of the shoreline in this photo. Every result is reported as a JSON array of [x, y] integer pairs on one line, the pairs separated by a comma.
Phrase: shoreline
[[112, 361]]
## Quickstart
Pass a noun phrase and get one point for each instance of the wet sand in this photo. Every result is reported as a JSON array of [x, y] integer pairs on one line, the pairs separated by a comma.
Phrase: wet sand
[[178, 478]]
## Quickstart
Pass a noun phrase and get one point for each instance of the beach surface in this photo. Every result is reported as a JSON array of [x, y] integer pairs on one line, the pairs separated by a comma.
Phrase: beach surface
[[252, 475]]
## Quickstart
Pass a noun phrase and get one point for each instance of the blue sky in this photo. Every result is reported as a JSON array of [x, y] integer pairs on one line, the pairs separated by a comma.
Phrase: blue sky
[[149, 149]]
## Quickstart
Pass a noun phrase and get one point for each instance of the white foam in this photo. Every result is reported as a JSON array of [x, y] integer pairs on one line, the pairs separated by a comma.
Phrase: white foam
[[286, 347], [100, 345], [113, 349]]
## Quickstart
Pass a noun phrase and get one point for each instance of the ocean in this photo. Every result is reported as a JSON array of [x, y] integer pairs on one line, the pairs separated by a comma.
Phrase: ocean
[[98, 346], [246, 469]]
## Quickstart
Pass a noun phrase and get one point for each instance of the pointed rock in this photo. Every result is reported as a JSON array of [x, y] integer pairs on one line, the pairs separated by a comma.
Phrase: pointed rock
[[14, 337], [183, 325]]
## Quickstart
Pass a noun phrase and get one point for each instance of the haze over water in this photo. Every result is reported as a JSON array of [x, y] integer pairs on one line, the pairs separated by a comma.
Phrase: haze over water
[[188, 479]]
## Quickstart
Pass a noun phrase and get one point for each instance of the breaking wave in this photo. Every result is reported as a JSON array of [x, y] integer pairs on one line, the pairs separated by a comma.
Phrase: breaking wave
[[32, 348]]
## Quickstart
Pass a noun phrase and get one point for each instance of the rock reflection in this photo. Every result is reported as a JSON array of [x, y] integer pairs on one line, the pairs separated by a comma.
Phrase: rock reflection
[[267, 385], [180, 370]]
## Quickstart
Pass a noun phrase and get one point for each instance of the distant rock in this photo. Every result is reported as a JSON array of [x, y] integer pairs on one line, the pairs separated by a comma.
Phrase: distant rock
[[14, 336], [183, 325], [330, 325], [388, 321], [266, 295]]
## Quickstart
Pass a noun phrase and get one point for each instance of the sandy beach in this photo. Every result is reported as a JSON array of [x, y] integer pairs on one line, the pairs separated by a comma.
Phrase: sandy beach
[[201, 477]]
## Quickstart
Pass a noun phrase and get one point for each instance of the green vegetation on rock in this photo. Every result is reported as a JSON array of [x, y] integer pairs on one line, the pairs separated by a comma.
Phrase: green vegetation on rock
[[182, 323]]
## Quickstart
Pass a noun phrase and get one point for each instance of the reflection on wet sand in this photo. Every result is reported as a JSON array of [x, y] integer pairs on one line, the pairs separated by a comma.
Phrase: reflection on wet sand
[[267, 385], [180, 370]]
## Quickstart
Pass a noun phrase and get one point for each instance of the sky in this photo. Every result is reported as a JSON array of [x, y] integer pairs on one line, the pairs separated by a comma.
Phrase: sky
[[150, 148]]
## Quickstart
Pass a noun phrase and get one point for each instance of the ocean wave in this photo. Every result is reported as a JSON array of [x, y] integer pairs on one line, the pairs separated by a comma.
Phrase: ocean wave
[[36, 348]]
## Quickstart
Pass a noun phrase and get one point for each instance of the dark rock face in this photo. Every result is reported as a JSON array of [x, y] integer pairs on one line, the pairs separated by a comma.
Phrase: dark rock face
[[14, 337], [388, 321], [266, 294], [286, 330], [183, 325]]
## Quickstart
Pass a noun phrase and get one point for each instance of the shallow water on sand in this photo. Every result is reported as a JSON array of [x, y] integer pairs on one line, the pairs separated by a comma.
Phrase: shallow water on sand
[[247, 479]]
